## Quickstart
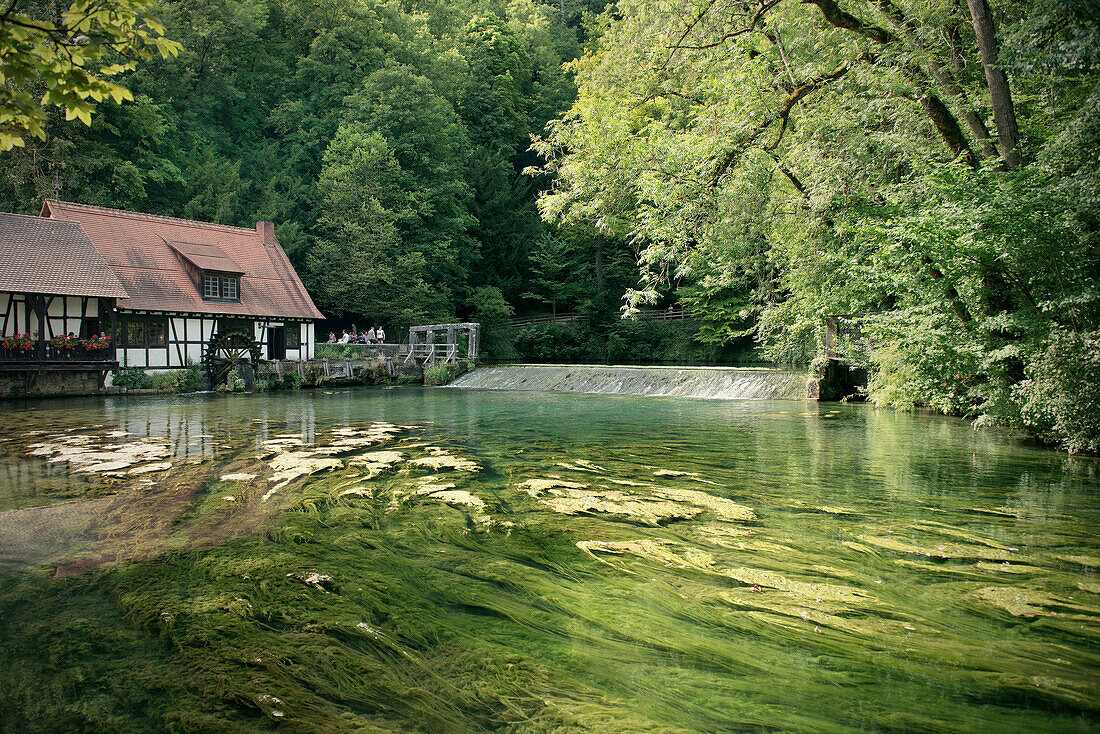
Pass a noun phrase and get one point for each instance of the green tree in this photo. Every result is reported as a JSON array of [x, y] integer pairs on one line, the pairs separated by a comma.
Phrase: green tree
[[70, 59]]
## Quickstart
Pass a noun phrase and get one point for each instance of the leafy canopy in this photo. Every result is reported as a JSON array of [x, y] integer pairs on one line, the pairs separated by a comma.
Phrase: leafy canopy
[[71, 60]]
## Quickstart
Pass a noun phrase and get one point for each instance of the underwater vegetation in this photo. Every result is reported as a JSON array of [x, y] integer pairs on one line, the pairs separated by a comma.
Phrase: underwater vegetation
[[444, 563]]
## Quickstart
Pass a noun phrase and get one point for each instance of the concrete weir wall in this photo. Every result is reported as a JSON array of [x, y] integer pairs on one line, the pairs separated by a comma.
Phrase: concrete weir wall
[[687, 382]]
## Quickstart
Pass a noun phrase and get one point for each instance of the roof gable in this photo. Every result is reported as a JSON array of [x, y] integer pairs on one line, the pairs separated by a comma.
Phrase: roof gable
[[52, 257], [145, 250]]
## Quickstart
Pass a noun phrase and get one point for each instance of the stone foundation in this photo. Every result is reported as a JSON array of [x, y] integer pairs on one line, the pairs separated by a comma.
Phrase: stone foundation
[[50, 382]]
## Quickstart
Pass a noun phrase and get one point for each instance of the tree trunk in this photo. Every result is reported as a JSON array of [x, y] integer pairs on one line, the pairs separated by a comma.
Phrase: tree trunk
[[601, 286], [1004, 114]]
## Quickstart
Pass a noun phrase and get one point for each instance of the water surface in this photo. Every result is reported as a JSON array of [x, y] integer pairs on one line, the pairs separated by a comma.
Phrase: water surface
[[411, 559]]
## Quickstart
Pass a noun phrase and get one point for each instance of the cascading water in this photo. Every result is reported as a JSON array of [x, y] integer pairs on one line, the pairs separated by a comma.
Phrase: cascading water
[[685, 382]]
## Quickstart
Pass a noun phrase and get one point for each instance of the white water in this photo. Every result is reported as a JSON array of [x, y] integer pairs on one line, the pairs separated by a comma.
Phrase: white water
[[685, 382]]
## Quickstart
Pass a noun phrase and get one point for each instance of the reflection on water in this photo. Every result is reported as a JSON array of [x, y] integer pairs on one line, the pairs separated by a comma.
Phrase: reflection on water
[[440, 560]]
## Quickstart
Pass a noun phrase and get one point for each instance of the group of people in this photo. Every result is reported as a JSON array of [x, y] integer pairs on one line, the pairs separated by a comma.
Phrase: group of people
[[374, 335]]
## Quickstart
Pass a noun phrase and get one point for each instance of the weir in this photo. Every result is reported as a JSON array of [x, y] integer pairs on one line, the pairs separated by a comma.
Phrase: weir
[[736, 383]]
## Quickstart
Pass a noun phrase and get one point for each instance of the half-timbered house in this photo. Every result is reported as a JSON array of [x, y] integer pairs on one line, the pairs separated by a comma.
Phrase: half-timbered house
[[54, 283], [186, 281]]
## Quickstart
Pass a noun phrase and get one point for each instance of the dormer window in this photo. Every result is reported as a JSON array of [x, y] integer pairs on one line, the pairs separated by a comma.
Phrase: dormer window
[[218, 286], [213, 272]]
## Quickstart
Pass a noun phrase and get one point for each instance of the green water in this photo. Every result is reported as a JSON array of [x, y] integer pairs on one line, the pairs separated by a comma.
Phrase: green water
[[408, 560]]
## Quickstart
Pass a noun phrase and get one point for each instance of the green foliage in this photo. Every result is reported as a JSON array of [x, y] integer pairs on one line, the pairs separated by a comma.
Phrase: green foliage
[[164, 380], [325, 350], [644, 341], [192, 378], [131, 378], [1060, 397], [773, 169], [492, 312], [73, 57], [234, 382], [441, 374]]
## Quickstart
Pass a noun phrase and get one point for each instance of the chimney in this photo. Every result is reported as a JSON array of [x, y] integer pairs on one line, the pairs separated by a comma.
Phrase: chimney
[[266, 230]]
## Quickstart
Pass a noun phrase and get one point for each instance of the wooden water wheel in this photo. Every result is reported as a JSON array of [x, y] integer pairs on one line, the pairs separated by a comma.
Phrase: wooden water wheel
[[225, 351]]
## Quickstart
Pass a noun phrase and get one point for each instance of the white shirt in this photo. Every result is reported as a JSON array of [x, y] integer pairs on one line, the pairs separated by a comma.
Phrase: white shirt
[[344, 339], [380, 335]]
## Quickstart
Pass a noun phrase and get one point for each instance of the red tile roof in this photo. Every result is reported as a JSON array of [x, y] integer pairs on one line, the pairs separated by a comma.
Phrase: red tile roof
[[47, 256], [138, 250], [205, 256]]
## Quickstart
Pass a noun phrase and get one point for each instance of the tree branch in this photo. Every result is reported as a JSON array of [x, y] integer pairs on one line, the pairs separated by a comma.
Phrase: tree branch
[[796, 95]]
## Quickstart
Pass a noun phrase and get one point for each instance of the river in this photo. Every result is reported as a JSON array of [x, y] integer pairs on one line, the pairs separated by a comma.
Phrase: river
[[432, 559]]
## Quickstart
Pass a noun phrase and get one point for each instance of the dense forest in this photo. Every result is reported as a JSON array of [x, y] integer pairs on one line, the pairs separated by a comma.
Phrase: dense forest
[[388, 141], [929, 170]]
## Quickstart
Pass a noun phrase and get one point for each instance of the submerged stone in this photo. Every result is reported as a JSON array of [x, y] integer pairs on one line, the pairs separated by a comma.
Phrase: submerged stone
[[375, 463], [536, 487], [239, 477]]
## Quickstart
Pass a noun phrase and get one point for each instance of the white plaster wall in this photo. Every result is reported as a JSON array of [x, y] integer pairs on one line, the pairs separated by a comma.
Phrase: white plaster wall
[[128, 357]]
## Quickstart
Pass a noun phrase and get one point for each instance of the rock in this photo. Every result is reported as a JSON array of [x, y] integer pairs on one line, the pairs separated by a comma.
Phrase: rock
[[320, 581], [536, 487], [376, 462]]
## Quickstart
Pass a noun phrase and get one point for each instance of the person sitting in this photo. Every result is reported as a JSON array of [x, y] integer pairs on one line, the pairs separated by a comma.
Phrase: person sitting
[[344, 338], [370, 336], [332, 337], [380, 335]]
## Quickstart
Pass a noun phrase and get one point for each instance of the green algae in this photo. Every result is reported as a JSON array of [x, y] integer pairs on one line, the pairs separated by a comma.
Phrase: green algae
[[383, 594]]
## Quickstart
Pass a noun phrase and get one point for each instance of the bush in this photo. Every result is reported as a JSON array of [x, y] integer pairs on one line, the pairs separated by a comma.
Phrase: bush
[[235, 382], [340, 351], [164, 381], [439, 374], [132, 378], [1060, 398], [192, 378]]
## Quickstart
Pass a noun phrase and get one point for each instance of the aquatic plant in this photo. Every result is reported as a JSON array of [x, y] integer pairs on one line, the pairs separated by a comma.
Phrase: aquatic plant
[[485, 573]]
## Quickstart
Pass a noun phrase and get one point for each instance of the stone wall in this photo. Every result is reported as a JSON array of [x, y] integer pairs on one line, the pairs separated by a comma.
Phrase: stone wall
[[50, 382]]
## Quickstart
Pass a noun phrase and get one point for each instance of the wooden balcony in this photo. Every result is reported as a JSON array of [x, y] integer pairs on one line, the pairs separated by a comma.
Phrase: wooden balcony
[[43, 356]]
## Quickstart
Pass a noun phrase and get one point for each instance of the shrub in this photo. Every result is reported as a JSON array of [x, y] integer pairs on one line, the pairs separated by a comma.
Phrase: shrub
[[235, 382], [132, 378], [191, 378], [1060, 398], [164, 381], [340, 351], [438, 374]]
